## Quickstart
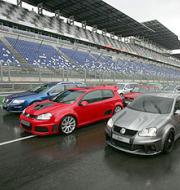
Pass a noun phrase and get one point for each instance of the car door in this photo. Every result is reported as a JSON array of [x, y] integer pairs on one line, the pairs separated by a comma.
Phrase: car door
[[92, 111], [108, 103], [177, 117]]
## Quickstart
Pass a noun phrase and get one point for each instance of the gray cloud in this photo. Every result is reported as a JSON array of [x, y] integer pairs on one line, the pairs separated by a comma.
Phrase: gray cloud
[[166, 11]]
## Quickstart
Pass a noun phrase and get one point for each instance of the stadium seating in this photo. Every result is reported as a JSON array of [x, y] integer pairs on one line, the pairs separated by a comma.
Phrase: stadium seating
[[46, 56], [105, 63], [32, 19], [39, 54], [6, 58]]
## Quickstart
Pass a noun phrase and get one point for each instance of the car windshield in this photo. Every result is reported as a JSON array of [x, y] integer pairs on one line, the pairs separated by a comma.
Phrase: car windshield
[[152, 104], [68, 97], [121, 86], [41, 88]]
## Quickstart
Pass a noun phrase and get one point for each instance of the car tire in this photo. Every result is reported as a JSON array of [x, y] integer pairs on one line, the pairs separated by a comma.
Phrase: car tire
[[68, 124], [169, 142], [117, 109]]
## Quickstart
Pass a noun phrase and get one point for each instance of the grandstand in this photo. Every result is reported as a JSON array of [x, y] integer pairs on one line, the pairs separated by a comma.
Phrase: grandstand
[[41, 47]]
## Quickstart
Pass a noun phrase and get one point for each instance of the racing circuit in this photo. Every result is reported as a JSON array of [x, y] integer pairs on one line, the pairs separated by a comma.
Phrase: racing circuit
[[100, 57], [78, 161]]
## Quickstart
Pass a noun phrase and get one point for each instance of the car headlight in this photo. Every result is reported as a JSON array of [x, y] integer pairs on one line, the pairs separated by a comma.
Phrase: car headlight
[[24, 111], [110, 123], [148, 132], [18, 101], [45, 116]]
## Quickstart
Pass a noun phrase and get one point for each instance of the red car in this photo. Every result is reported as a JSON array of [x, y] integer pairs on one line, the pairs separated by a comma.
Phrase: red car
[[72, 108], [137, 91]]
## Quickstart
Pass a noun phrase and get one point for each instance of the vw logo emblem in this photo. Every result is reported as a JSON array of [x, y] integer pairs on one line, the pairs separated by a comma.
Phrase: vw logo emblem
[[122, 131], [27, 115]]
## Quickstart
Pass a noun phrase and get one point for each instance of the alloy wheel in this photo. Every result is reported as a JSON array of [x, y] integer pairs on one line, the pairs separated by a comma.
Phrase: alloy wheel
[[68, 125], [117, 109]]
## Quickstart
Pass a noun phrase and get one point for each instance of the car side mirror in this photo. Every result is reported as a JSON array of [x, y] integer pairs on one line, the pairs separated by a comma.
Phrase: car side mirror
[[83, 103], [177, 112]]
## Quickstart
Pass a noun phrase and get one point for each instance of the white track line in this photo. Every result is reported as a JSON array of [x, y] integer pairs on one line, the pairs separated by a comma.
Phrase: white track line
[[16, 140]]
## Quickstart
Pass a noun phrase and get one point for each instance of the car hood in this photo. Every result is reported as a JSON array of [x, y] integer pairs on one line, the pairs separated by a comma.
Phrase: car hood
[[21, 95], [136, 120], [45, 107]]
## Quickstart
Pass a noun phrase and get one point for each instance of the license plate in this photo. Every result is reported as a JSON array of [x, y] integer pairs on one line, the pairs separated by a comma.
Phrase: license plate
[[120, 138], [25, 123]]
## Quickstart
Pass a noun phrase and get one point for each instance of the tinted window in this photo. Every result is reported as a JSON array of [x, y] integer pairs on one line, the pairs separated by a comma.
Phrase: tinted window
[[107, 94], [69, 86], [41, 88], [68, 96], [133, 85], [57, 89], [81, 85], [177, 106], [128, 86], [121, 86], [152, 104], [92, 97]]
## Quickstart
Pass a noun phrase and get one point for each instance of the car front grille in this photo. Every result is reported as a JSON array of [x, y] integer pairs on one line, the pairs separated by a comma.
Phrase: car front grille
[[26, 127], [122, 145], [126, 146], [41, 129], [128, 132]]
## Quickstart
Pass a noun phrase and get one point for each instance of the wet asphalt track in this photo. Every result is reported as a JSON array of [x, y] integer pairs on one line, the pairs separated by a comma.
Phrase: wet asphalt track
[[79, 161]]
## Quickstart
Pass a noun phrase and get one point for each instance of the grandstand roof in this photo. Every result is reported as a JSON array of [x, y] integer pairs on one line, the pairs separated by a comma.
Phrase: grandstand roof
[[95, 12], [162, 35], [104, 16]]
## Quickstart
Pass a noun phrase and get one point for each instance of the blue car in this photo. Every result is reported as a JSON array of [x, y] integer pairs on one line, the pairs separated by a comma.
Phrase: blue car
[[19, 101]]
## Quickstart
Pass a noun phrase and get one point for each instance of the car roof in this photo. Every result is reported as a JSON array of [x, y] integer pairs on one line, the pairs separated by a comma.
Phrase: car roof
[[165, 95], [62, 82], [90, 88]]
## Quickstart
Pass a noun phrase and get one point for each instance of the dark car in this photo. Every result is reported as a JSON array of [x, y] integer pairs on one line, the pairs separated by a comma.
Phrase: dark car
[[19, 101]]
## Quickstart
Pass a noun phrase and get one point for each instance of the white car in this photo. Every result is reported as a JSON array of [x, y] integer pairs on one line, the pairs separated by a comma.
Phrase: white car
[[172, 88], [126, 87]]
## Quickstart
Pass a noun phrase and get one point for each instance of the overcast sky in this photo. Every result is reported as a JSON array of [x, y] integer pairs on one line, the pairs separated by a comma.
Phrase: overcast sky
[[166, 11]]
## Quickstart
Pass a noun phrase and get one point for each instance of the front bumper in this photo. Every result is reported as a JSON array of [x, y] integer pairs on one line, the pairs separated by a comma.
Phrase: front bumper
[[35, 127], [139, 146], [14, 108]]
